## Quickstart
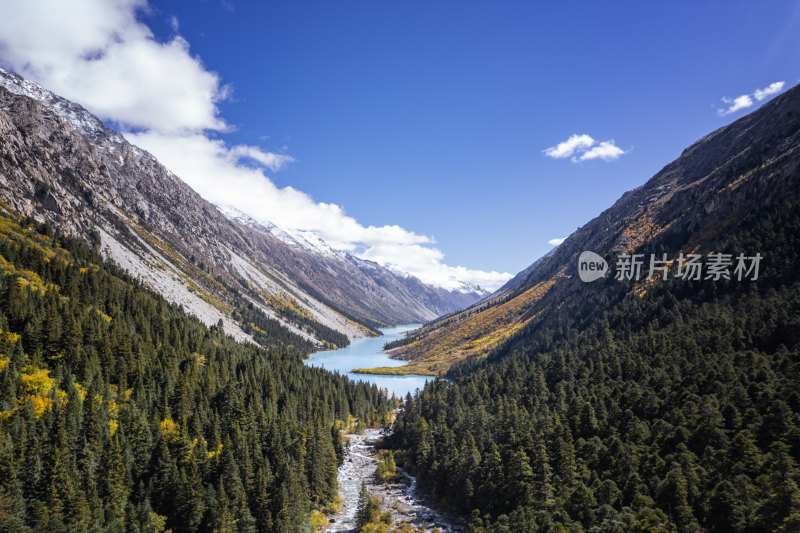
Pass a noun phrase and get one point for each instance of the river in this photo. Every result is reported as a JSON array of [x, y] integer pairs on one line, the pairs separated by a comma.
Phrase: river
[[401, 499], [368, 353], [405, 503]]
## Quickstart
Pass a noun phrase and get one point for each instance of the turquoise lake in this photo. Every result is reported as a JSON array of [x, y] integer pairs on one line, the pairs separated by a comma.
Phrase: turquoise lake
[[366, 353]]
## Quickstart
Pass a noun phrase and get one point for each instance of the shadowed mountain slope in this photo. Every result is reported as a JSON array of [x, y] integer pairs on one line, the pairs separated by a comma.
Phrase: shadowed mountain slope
[[747, 166]]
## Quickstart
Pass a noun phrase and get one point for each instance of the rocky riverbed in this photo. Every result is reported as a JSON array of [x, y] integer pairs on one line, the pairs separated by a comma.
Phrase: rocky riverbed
[[401, 499]]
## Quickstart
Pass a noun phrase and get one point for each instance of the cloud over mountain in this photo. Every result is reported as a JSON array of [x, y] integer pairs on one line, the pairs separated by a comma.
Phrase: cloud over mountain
[[166, 100], [744, 101]]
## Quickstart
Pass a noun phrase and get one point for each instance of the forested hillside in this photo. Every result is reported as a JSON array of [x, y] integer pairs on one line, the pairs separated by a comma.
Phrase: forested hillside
[[120, 412], [674, 407]]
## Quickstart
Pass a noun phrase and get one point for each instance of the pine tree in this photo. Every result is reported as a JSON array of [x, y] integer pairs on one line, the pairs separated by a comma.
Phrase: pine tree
[[368, 507], [115, 488]]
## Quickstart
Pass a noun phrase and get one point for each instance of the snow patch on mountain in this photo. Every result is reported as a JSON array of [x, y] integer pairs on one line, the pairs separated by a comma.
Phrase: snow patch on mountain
[[452, 284], [74, 114], [313, 242], [299, 238]]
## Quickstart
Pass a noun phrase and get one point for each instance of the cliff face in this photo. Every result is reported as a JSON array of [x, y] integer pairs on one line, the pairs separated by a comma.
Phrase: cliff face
[[60, 164]]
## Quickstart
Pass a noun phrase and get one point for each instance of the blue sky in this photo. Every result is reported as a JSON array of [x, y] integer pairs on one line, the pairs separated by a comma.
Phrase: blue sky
[[431, 118]]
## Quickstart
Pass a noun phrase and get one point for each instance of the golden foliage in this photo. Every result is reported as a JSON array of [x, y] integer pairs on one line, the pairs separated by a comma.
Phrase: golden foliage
[[81, 391], [36, 380], [40, 404], [216, 453], [199, 359], [318, 520], [171, 430], [205, 295], [155, 523], [103, 315], [473, 336], [284, 303], [640, 231], [7, 336]]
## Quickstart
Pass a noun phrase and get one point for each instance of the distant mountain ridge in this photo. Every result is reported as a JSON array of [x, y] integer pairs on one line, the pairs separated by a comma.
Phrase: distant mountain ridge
[[315, 244], [60, 164]]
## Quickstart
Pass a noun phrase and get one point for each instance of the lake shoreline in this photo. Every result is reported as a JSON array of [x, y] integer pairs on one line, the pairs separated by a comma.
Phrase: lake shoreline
[[365, 360]]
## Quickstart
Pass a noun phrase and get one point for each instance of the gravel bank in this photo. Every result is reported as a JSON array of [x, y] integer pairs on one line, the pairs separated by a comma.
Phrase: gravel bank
[[401, 499]]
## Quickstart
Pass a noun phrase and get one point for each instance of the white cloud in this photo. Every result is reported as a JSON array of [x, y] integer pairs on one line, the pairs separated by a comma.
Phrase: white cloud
[[735, 104], [606, 150], [773, 88], [584, 148], [202, 162], [426, 263], [268, 159], [97, 53], [746, 100], [570, 146], [556, 242], [208, 164]]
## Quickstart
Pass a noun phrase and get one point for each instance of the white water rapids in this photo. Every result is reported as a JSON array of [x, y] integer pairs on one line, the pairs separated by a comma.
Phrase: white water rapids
[[401, 499]]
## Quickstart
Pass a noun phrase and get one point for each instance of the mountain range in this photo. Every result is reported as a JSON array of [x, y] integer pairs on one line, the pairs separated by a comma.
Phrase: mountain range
[[59, 164]]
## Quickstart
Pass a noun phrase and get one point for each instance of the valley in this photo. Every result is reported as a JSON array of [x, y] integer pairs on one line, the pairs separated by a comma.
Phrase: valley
[[173, 365]]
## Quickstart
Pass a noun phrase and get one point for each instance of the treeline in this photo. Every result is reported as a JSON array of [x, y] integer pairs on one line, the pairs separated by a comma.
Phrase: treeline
[[120, 412], [268, 332], [370, 324], [673, 410], [402, 341], [257, 323]]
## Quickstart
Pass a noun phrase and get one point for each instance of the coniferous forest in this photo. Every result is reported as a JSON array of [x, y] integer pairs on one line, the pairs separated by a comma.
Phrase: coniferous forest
[[674, 410], [120, 412]]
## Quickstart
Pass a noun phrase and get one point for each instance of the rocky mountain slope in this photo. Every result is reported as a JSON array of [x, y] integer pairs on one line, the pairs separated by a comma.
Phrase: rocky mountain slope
[[749, 165], [60, 164]]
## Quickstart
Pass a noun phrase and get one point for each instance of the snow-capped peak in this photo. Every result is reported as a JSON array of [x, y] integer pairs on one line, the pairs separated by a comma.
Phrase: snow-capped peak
[[455, 285], [309, 240], [450, 284], [293, 237]]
